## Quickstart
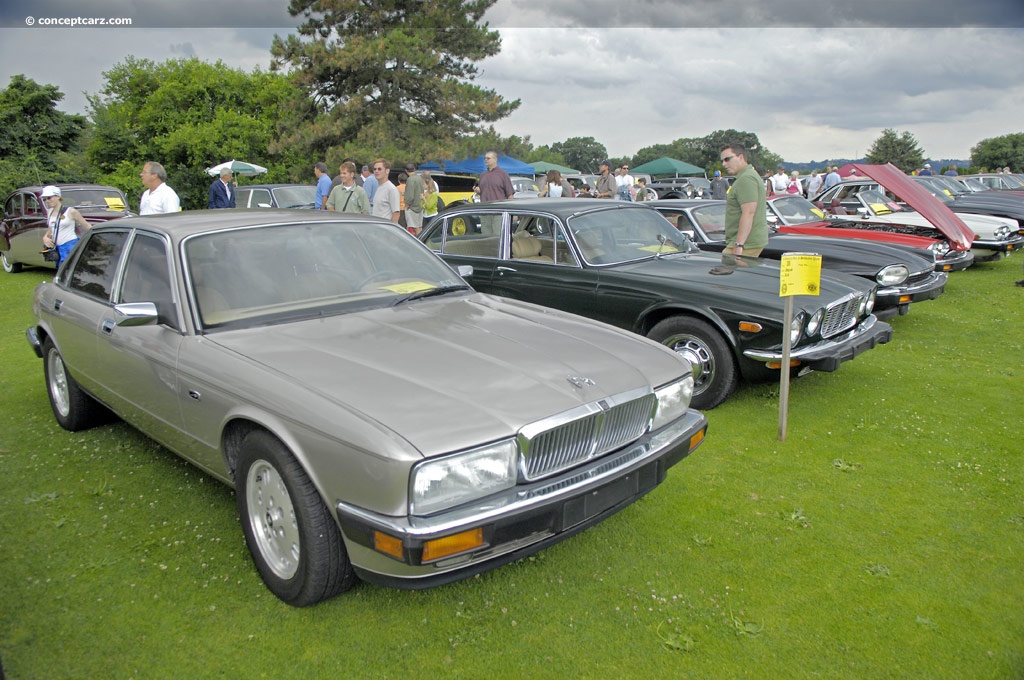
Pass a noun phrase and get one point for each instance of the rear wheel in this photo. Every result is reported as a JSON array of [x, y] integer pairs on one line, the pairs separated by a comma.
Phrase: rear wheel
[[714, 368], [72, 407], [9, 266], [293, 538]]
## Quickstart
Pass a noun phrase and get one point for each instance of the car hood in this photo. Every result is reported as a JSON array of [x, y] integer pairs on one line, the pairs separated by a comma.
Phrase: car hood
[[918, 198], [852, 256], [450, 373], [755, 283], [835, 229]]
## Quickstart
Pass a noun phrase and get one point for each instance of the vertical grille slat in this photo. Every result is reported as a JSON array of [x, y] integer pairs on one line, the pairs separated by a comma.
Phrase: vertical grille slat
[[595, 434]]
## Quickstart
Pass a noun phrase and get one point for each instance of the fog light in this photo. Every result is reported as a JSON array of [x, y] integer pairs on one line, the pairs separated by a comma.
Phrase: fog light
[[389, 545], [451, 545]]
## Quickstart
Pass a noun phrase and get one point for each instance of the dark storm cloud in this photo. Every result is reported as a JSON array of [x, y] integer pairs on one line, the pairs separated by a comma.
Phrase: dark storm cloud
[[750, 14], [153, 13]]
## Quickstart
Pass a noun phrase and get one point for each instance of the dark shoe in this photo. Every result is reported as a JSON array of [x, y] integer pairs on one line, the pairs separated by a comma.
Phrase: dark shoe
[[1021, 283]]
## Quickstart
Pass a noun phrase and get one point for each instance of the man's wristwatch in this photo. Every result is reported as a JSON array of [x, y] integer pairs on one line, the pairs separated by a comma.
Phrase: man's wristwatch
[[738, 245]]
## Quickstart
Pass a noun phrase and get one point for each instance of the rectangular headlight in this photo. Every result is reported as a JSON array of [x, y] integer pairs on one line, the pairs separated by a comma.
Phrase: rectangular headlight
[[443, 483], [673, 402]]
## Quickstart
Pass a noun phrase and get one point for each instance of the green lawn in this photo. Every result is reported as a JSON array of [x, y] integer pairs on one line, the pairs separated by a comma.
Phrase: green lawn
[[883, 539]]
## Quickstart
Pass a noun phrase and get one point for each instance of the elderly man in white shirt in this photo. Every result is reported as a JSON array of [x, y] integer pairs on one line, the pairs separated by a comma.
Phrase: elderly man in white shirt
[[158, 196]]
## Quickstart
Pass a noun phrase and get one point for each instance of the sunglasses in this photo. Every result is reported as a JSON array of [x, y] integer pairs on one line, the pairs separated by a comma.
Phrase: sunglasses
[[728, 158]]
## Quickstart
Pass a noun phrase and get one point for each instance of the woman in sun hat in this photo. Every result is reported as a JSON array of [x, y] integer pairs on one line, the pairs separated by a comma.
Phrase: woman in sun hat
[[62, 223]]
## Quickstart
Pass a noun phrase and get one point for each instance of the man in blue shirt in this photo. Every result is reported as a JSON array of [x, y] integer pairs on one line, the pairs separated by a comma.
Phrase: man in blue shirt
[[369, 183], [323, 185]]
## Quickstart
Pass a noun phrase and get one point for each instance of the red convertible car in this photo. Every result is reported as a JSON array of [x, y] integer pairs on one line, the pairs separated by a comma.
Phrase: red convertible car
[[797, 215]]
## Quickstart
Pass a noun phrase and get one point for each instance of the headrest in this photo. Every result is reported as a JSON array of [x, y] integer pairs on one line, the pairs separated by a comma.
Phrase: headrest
[[525, 245]]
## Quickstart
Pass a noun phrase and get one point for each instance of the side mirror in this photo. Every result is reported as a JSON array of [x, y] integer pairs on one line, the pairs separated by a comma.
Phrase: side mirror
[[130, 314]]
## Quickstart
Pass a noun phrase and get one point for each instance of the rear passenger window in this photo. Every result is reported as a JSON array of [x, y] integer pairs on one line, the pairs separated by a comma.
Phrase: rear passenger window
[[96, 264]]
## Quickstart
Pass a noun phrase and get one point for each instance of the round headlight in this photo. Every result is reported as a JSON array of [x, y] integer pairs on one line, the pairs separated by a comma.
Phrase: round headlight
[[1002, 233], [893, 275], [795, 328], [939, 249], [814, 323]]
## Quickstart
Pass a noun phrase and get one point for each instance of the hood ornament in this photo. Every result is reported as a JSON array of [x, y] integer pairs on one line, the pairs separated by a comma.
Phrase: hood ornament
[[579, 382]]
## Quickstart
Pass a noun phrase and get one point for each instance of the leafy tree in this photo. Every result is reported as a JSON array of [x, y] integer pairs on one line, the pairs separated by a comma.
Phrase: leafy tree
[[902, 150], [703, 151], [582, 153], [388, 78], [188, 115], [36, 136], [999, 152]]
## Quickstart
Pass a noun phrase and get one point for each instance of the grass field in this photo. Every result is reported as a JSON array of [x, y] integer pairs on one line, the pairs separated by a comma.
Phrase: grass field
[[883, 539]]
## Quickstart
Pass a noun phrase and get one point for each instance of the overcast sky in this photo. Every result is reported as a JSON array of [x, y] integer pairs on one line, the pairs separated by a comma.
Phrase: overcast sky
[[814, 80]]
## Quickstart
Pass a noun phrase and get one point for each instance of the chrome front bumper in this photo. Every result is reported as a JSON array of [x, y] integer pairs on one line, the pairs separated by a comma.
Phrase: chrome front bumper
[[828, 355], [520, 521]]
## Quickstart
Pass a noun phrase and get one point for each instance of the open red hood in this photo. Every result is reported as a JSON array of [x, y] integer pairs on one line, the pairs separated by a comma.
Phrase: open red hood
[[918, 198]]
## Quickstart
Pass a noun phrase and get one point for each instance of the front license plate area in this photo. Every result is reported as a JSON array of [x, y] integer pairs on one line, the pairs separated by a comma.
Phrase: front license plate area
[[602, 499]]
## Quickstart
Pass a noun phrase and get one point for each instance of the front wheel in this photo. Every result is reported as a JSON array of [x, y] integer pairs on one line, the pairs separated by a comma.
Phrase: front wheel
[[9, 266], [72, 407], [714, 368], [293, 538]]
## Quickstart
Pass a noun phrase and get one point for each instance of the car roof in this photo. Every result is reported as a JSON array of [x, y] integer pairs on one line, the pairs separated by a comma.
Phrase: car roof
[[273, 186], [180, 225], [556, 206], [38, 188]]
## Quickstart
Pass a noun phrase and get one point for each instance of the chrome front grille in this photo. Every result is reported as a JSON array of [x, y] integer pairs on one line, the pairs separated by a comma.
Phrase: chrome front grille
[[840, 316], [559, 443]]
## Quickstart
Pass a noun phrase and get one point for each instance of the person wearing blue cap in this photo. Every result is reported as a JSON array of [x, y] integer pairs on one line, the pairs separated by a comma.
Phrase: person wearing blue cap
[[719, 186]]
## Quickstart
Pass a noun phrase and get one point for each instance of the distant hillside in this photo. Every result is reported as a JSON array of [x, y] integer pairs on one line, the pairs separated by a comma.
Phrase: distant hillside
[[937, 163]]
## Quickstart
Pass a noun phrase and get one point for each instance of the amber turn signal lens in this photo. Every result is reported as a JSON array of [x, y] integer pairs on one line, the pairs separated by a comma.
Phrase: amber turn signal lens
[[454, 544], [389, 545], [750, 327]]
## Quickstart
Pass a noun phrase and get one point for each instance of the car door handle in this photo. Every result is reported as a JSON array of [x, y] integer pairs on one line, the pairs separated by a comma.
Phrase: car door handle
[[108, 326], [507, 269], [57, 304]]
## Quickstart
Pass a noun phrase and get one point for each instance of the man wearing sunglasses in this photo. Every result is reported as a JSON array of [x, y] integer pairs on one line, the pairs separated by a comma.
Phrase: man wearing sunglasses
[[746, 223]]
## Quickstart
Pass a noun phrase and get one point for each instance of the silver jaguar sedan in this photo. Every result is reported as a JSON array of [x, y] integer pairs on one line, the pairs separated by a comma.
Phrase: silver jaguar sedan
[[376, 416]]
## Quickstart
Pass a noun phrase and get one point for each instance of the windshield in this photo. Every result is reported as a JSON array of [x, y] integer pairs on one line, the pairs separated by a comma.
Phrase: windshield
[[611, 236], [263, 275], [523, 184], [796, 210], [295, 197], [104, 199], [879, 203], [937, 190]]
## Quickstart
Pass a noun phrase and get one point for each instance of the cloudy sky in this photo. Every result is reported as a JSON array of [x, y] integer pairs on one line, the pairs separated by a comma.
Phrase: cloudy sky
[[814, 80]]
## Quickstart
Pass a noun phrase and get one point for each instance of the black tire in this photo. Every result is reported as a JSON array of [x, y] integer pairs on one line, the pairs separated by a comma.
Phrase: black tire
[[292, 536], [9, 266], [714, 366], [72, 407]]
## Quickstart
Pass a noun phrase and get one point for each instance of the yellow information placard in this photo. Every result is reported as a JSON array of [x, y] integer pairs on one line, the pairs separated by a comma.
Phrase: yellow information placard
[[800, 274]]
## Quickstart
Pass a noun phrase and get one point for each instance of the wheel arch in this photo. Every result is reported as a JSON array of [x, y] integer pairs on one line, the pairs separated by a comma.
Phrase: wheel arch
[[652, 317]]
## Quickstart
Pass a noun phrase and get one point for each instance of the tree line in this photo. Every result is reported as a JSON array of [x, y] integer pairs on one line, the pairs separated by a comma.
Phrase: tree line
[[361, 79]]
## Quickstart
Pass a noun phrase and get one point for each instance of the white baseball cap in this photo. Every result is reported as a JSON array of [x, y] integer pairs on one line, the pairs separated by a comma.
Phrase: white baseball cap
[[50, 190]]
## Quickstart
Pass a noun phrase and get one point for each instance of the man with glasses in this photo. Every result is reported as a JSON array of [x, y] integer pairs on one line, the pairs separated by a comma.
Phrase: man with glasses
[[746, 223], [387, 203], [624, 183]]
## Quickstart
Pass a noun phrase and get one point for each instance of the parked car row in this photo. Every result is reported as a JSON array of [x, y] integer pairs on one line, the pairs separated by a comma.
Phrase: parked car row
[[416, 412]]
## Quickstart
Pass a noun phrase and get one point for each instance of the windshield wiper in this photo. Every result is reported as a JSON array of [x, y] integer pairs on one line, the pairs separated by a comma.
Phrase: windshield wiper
[[430, 292]]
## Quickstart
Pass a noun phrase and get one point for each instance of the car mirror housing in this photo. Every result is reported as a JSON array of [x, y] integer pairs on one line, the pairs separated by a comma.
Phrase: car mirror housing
[[135, 314]]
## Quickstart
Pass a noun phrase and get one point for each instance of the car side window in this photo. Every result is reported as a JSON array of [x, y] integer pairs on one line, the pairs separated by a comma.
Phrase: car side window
[[471, 234], [540, 239], [13, 206], [260, 198], [32, 205], [147, 277], [96, 265]]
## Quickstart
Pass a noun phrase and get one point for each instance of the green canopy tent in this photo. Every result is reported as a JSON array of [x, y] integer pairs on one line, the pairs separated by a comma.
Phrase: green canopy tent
[[542, 168], [668, 166]]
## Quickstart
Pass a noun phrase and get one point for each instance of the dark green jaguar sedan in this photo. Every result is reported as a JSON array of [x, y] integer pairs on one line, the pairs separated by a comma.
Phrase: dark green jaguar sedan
[[626, 265]]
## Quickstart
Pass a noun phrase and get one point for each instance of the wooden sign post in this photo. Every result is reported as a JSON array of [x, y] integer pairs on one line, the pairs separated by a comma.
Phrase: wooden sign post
[[800, 274]]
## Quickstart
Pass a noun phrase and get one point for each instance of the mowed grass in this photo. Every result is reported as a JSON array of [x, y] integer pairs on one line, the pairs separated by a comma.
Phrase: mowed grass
[[883, 539]]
